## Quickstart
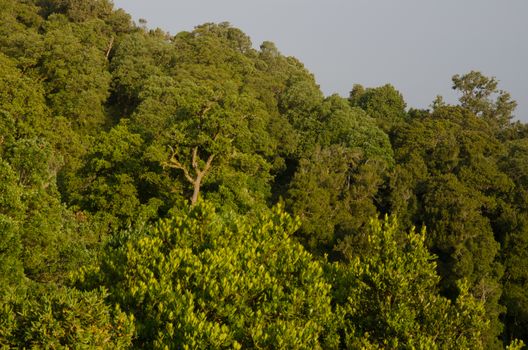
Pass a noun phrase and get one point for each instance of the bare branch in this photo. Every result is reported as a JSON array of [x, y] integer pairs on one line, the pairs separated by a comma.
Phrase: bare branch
[[195, 159], [208, 164], [175, 164], [110, 45]]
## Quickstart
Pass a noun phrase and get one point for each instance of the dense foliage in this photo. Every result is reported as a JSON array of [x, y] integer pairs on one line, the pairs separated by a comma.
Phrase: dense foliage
[[191, 191]]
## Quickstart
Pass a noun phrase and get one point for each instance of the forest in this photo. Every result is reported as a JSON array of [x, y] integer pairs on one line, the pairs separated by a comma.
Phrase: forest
[[190, 191]]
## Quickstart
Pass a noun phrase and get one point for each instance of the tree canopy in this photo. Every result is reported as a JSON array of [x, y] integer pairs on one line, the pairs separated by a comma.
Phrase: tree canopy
[[199, 191]]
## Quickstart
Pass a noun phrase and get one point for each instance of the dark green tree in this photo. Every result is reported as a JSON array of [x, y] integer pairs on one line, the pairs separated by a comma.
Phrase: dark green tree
[[448, 179], [384, 103], [334, 188]]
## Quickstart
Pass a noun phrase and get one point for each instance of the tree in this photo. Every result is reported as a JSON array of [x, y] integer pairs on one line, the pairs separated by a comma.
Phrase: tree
[[40, 234], [77, 81], [112, 182], [334, 187], [449, 180], [136, 57], [385, 104], [190, 283], [203, 123], [388, 296], [24, 111], [19, 36], [512, 229], [57, 318], [319, 195], [481, 96], [206, 123]]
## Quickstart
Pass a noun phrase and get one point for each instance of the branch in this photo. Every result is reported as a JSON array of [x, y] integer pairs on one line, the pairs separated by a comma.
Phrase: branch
[[110, 45], [175, 164], [201, 173], [208, 163], [195, 159]]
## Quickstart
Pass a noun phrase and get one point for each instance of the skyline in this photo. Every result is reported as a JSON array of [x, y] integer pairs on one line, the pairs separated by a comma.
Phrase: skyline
[[413, 45]]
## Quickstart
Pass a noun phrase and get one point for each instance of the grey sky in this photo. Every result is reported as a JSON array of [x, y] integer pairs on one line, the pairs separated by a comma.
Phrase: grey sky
[[416, 45]]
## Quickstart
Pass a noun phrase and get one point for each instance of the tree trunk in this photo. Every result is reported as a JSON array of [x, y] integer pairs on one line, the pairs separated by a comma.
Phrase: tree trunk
[[200, 173], [196, 190]]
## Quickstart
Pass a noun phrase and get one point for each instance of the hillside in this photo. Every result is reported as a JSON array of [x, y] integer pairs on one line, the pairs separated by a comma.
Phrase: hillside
[[191, 191]]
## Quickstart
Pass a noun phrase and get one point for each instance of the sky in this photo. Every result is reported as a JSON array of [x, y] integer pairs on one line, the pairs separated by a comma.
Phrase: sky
[[415, 45]]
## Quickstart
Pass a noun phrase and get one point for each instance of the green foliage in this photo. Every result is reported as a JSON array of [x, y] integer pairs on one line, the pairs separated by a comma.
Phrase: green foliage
[[77, 11], [77, 80], [23, 110], [513, 234], [106, 127], [201, 122], [516, 344], [478, 93], [34, 222], [316, 194], [384, 103], [389, 299], [64, 318], [19, 36], [137, 57], [190, 284], [109, 184], [11, 209], [352, 128], [334, 189], [448, 173]]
